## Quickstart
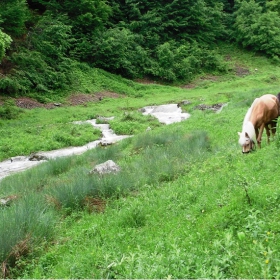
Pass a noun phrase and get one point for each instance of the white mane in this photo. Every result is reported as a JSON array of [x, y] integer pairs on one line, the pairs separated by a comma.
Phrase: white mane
[[248, 127], [248, 114]]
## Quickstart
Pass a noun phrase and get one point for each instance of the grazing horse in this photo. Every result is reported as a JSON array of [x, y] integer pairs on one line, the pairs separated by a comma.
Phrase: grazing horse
[[263, 113]]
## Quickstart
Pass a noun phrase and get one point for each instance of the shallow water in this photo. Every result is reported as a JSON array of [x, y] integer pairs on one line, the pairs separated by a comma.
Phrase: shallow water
[[166, 114]]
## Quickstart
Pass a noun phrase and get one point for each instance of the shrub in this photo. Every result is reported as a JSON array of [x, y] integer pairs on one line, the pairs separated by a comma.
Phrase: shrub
[[5, 42], [14, 15], [174, 63], [117, 51], [257, 29], [9, 110]]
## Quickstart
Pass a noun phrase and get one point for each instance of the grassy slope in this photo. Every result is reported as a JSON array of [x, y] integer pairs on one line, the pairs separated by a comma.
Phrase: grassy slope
[[217, 220]]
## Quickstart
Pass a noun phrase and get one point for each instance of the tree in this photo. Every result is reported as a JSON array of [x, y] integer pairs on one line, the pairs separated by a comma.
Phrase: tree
[[117, 51], [274, 6], [5, 41], [14, 14], [258, 29], [191, 20]]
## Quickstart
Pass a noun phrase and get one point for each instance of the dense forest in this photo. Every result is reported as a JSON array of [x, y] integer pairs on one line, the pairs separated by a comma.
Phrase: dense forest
[[42, 41]]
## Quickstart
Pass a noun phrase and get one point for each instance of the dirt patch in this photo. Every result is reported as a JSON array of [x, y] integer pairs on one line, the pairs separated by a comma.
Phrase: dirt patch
[[81, 99], [241, 71], [28, 103], [73, 100], [145, 81]]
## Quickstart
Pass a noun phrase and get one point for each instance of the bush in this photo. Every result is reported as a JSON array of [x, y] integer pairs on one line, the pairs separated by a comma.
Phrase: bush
[[117, 51], [5, 41], [14, 15], [181, 63], [9, 110], [258, 30]]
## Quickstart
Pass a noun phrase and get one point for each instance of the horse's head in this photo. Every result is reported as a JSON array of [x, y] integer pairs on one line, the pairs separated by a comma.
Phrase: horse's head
[[246, 142]]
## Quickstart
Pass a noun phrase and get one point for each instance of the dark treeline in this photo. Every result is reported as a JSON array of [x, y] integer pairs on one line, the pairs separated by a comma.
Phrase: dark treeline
[[171, 40]]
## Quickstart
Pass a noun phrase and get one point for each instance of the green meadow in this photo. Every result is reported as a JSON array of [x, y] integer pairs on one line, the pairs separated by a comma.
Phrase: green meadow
[[186, 204]]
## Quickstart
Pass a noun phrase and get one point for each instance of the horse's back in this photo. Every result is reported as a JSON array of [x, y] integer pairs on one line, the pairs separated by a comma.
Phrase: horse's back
[[265, 109]]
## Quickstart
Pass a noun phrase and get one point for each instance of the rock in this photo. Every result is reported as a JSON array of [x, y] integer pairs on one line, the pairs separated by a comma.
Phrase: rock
[[215, 107], [183, 102], [108, 166], [6, 201], [18, 158], [37, 157]]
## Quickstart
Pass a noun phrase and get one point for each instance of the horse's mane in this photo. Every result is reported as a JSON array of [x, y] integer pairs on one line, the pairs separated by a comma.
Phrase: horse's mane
[[248, 126], [248, 114]]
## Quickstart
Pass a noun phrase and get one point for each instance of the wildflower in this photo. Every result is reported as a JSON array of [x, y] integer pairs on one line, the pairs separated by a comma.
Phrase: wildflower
[[265, 253], [266, 261], [268, 233]]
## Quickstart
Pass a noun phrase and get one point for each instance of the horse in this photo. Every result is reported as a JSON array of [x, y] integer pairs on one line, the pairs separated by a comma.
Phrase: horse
[[262, 114]]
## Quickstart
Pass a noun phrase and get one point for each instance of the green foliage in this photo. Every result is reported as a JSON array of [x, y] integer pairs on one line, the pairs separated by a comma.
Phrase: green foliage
[[13, 16], [172, 20], [131, 123], [273, 5], [175, 186], [87, 22], [171, 41], [5, 42], [9, 85], [43, 65], [9, 110], [29, 137], [52, 38], [24, 225], [117, 50], [258, 30], [183, 63], [89, 15]]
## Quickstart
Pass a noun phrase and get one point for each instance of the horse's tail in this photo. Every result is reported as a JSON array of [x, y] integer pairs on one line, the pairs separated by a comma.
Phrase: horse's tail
[[278, 98]]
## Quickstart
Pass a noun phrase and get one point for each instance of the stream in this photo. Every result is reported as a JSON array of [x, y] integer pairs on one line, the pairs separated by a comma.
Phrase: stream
[[166, 114]]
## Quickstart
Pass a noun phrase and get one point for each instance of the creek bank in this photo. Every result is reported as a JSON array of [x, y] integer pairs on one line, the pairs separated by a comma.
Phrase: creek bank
[[21, 163], [166, 114]]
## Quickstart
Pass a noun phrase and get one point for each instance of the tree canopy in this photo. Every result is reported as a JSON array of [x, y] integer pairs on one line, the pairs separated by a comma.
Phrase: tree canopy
[[170, 40]]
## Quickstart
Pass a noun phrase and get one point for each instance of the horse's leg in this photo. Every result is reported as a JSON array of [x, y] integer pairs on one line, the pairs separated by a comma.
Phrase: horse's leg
[[259, 137], [273, 127], [267, 128]]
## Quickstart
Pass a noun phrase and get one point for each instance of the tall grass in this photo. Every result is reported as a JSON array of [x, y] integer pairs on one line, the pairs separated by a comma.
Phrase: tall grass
[[156, 163], [24, 225], [29, 217]]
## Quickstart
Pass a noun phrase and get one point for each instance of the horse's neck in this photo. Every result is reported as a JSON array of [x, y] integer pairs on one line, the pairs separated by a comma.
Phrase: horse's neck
[[248, 115]]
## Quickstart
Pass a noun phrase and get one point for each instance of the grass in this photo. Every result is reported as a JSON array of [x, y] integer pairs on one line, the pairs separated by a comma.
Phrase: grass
[[186, 204], [198, 225]]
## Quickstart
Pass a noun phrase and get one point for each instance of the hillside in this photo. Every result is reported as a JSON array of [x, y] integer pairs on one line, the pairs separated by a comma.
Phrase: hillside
[[186, 204], [45, 45]]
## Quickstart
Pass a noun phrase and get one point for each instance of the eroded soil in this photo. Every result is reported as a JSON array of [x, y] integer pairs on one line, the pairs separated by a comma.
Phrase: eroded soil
[[72, 100]]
